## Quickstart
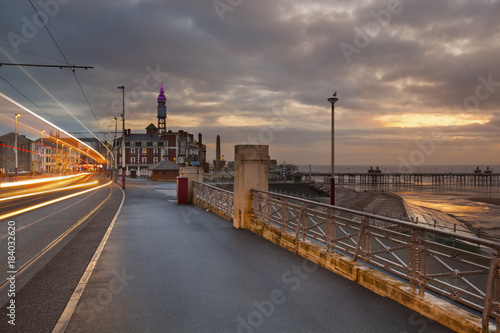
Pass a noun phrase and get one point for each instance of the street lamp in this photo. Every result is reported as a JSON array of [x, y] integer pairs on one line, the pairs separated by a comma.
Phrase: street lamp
[[15, 144], [115, 151], [332, 100], [62, 157], [56, 154], [123, 136], [42, 155]]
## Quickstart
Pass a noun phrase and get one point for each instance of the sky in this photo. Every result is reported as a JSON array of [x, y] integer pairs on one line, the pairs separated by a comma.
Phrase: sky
[[418, 82]]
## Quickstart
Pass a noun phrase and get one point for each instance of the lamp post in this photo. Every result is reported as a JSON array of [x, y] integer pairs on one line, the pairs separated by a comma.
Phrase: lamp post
[[42, 155], [115, 151], [123, 136], [56, 154], [15, 144], [62, 157], [332, 100]]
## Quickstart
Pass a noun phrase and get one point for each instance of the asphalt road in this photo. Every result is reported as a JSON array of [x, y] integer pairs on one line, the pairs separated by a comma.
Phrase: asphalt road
[[43, 289], [170, 268]]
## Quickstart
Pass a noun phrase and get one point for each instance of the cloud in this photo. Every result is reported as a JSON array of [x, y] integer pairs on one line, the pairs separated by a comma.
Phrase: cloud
[[231, 77]]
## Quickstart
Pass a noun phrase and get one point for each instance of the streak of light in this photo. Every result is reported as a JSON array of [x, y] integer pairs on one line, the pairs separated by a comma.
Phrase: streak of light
[[46, 217], [49, 191], [38, 181], [58, 102], [43, 204], [48, 122]]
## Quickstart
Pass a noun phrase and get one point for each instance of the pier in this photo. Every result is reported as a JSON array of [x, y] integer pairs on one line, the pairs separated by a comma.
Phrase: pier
[[416, 179]]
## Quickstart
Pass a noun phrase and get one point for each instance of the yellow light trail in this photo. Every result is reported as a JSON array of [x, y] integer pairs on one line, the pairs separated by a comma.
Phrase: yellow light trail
[[41, 180], [43, 204], [49, 191]]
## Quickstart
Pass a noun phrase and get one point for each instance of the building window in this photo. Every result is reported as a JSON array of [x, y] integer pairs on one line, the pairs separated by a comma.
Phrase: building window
[[144, 161], [155, 143], [155, 151], [132, 160], [132, 151], [155, 160], [144, 143], [144, 151], [132, 143]]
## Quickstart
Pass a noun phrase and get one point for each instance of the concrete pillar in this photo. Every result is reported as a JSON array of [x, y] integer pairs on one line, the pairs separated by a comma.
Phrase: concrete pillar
[[194, 174], [251, 172]]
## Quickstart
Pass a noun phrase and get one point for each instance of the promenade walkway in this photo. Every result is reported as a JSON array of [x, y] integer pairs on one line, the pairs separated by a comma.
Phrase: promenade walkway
[[169, 268]]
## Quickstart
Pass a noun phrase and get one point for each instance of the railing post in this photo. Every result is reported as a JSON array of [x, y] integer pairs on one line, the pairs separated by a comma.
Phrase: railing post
[[284, 223], [300, 226], [363, 241], [417, 261], [490, 295], [330, 230], [251, 172]]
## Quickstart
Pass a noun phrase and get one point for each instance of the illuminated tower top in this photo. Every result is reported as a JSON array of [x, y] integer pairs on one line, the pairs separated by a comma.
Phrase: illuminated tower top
[[162, 110]]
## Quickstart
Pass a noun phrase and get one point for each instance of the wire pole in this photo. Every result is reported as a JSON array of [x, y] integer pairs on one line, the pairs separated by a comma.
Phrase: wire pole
[[123, 136]]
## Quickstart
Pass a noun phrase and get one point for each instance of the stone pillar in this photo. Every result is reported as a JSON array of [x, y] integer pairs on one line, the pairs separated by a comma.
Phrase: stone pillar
[[194, 174], [251, 172]]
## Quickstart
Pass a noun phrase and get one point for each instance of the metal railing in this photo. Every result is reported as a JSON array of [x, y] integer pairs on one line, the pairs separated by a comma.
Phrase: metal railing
[[214, 198], [462, 268]]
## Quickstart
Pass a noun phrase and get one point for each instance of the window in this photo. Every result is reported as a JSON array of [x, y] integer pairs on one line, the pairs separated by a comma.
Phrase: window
[[144, 143], [132, 160], [144, 160], [132, 143], [132, 151], [155, 143], [155, 160], [144, 151], [155, 151]]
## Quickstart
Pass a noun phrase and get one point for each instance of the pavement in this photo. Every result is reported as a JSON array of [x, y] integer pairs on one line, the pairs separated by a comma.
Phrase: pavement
[[170, 268]]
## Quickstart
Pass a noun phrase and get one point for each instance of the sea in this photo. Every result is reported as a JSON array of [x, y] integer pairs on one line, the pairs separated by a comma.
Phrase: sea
[[455, 201]]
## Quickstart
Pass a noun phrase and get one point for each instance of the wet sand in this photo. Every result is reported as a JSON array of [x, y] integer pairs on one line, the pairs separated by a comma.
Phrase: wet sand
[[492, 201]]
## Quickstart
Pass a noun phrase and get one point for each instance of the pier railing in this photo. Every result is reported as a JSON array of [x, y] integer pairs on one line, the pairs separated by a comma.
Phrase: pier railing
[[462, 268]]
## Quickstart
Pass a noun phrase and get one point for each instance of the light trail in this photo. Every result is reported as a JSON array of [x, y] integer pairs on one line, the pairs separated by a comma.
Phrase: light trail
[[38, 181], [43, 204], [7, 98], [58, 102], [49, 191]]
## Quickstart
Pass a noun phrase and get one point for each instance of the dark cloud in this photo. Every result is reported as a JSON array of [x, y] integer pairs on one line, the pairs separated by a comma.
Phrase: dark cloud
[[232, 76]]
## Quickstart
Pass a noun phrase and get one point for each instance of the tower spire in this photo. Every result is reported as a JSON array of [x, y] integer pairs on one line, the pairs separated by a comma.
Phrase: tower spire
[[162, 110]]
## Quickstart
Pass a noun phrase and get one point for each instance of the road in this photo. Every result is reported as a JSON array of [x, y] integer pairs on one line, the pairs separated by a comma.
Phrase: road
[[61, 216]]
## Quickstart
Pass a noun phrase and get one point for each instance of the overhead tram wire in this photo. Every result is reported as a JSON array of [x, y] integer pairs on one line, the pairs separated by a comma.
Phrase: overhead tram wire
[[65, 59]]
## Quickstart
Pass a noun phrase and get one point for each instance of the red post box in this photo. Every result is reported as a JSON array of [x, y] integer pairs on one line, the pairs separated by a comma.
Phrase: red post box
[[182, 190]]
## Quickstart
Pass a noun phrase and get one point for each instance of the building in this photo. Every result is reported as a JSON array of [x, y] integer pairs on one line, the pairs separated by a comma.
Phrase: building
[[165, 170], [26, 155], [143, 150]]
